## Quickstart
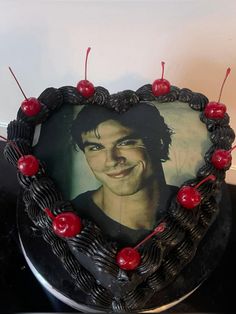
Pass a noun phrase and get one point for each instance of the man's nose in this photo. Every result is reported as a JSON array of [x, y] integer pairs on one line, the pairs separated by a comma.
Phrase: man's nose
[[114, 157]]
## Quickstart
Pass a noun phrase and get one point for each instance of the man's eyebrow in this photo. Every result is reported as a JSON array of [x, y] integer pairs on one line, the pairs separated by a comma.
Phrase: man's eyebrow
[[87, 143]]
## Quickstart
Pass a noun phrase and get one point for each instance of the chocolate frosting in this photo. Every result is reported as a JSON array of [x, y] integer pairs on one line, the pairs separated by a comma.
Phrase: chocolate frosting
[[90, 257]]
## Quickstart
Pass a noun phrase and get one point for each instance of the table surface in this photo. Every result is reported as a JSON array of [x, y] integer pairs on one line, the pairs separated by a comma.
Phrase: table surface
[[21, 292]]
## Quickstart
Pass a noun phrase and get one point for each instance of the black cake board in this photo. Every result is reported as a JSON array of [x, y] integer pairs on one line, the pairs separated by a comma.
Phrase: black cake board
[[49, 271]]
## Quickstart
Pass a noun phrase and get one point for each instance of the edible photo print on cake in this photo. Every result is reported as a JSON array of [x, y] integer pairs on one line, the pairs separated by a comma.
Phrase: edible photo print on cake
[[121, 170]]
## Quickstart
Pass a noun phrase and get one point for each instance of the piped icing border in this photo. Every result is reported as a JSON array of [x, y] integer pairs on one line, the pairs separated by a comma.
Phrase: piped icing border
[[165, 254]]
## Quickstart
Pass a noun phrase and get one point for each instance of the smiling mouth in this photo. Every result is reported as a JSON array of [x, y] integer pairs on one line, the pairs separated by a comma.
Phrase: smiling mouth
[[120, 174]]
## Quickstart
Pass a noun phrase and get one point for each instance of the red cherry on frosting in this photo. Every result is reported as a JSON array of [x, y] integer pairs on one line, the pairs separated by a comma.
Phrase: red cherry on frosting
[[84, 87], [31, 106], [28, 165], [216, 110], [128, 258], [222, 158], [161, 86], [189, 197], [66, 224]]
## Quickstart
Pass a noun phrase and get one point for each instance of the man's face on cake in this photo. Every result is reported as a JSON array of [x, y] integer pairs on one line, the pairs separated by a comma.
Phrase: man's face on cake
[[118, 158], [125, 153]]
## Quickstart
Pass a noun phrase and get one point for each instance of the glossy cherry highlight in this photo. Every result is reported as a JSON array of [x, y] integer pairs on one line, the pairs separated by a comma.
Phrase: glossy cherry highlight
[[66, 225], [161, 86], [28, 165], [84, 87], [30, 106], [222, 158], [189, 196], [216, 110], [128, 258]]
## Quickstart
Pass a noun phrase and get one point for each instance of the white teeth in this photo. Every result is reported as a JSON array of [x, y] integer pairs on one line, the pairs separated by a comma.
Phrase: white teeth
[[118, 176]]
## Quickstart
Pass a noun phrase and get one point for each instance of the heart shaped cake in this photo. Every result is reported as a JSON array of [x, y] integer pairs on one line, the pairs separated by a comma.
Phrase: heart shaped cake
[[136, 183]]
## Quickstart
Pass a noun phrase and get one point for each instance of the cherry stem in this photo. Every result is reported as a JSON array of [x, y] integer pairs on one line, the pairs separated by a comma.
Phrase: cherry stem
[[158, 229], [232, 149], [163, 68], [12, 144], [222, 86], [49, 213], [86, 62], [210, 177], [18, 83]]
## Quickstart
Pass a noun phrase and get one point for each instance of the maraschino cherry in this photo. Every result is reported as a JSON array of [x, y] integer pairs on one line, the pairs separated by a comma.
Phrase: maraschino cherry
[[222, 158], [84, 87], [30, 106], [129, 258], [189, 197], [161, 86], [216, 110], [28, 165], [66, 225]]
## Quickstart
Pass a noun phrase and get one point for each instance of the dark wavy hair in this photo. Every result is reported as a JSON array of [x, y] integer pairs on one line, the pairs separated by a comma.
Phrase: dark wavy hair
[[143, 119]]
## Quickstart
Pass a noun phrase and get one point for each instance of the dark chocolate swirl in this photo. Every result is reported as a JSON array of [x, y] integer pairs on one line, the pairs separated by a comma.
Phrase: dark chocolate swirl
[[135, 297], [185, 218], [157, 281], [20, 130], [123, 101], [83, 279], [171, 266], [210, 206], [186, 250], [151, 257], [213, 124], [32, 211], [91, 243], [100, 296], [196, 233], [119, 306], [185, 95], [12, 154], [71, 96], [52, 98], [172, 234], [145, 93], [101, 97], [223, 135], [61, 206], [60, 249], [205, 220], [208, 169], [198, 102], [44, 192]]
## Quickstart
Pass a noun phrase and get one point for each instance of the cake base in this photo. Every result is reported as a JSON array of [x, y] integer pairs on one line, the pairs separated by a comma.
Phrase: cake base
[[50, 272]]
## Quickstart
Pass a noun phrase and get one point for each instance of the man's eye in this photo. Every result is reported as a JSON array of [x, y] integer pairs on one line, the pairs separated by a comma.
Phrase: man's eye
[[127, 143], [94, 148]]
